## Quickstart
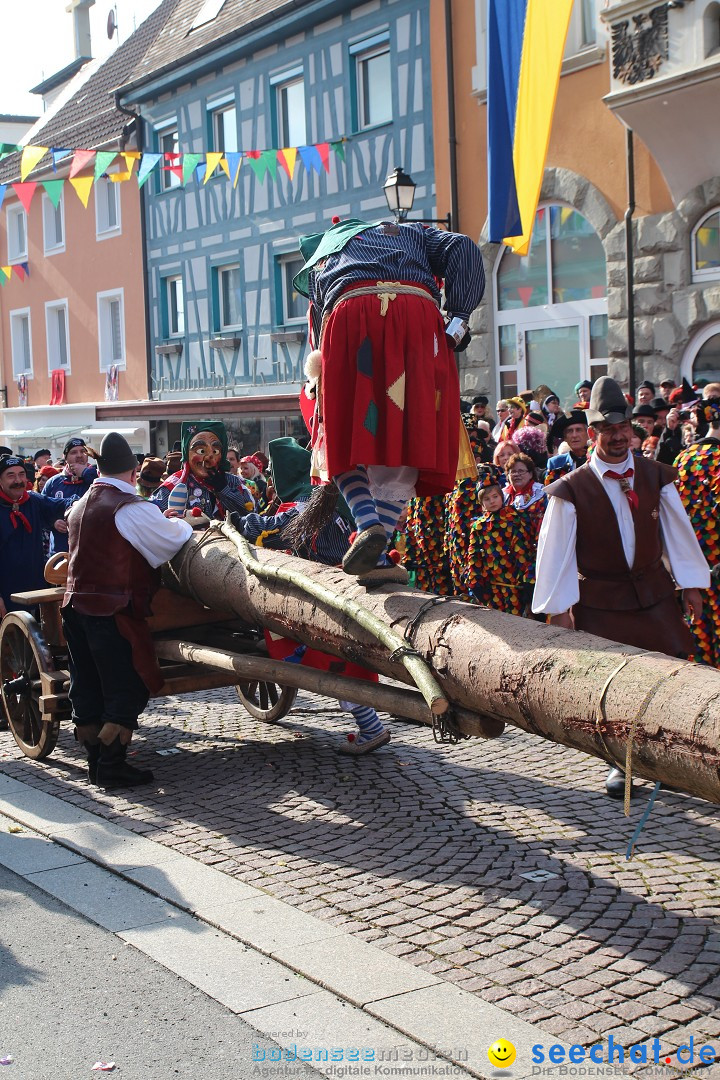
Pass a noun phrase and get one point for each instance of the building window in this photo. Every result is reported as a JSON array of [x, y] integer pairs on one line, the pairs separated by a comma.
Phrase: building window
[[17, 234], [168, 143], [711, 30], [21, 342], [174, 307], [107, 208], [228, 307], [292, 305], [551, 308], [58, 339], [53, 226], [289, 108], [223, 129], [111, 328], [207, 13], [705, 247], [372, 83]]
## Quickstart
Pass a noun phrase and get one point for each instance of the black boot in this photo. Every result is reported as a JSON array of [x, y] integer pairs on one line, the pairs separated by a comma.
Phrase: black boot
[[615, 784], [113, 770], [87, 737]]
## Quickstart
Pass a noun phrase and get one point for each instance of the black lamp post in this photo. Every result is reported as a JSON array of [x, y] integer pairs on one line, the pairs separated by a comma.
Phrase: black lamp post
[[399, 191]]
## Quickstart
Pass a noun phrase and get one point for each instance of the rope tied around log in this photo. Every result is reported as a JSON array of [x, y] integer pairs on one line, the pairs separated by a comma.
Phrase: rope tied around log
[[419, 671]]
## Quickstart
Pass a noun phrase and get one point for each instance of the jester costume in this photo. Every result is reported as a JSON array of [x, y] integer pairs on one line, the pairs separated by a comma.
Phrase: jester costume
[[698, 482], [501, 559], [425, 545], [462, 509]]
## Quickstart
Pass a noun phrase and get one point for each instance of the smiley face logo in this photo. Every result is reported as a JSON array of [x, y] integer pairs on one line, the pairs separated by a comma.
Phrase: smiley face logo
[[501, 1054]]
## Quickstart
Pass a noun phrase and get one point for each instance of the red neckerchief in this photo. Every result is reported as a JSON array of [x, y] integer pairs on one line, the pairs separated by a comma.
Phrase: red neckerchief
[[624, 481], [69, 477], [512, 492], [184, 477], [16, 514]]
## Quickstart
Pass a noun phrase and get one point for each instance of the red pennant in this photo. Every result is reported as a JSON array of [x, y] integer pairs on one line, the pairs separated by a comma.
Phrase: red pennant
[[20, 271], [323, 150], [25, 192], [81, 158], [525, 292]]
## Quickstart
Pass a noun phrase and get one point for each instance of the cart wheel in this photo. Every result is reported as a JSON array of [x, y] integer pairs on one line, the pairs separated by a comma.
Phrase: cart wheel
[[266, 700], [23, 655]]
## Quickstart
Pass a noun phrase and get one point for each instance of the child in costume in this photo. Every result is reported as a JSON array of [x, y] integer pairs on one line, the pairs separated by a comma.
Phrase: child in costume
[[425, 553], [205, 481], [500, 566]]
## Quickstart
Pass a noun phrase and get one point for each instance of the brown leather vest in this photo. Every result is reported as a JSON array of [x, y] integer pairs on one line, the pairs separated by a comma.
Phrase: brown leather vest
[[606, 580], [105, 573]]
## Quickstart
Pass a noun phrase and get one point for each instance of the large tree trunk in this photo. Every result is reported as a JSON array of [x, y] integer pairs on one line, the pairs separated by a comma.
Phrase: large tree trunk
[[572, 688]]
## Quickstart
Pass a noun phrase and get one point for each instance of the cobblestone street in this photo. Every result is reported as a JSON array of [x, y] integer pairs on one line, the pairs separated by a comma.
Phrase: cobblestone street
[[429, 852]]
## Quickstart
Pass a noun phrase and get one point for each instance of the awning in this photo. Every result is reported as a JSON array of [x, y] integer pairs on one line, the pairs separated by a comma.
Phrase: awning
[[121, 429], [41, 433]]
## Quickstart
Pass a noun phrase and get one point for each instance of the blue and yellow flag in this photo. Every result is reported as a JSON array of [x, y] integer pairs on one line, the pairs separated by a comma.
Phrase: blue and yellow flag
[[526, 41]]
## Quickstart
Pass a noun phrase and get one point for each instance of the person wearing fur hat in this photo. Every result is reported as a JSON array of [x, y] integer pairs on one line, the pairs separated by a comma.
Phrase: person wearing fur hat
[[573, 430], [386, 423], [118, 541], [698, 482], [500, 560], [150, 476], [607, 530], [205, 480], [25, 518], [72, 483], [583, 389]]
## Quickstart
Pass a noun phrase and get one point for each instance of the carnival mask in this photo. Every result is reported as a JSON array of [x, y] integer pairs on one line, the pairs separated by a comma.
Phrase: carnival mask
[[204, 453]]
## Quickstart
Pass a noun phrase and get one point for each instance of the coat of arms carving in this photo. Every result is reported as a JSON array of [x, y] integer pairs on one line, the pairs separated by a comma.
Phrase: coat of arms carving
[[638, 51]]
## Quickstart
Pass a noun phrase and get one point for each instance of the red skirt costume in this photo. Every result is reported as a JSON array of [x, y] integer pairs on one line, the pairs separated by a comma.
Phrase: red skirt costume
[[389, 385]]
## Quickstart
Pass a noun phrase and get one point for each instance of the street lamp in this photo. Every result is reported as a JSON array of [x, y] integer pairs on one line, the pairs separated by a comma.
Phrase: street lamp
[[399, 191]]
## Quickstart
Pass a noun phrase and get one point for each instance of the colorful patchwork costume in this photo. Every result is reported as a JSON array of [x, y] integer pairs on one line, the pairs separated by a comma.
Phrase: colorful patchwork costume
[[425, 545], [698, 482], [501, 559]]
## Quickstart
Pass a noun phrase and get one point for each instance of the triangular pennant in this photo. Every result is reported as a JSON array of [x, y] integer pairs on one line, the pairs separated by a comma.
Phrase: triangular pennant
[[287, 158], [83, 187], [7, 148], [30, 157], [339, 148], [3, 277], [25, 193], [147, 163], [310, 158], [20, 271], [26, 268], [212, 160], [54, 190], [3, 188], [103, 161], [81, 158], [200, 171], [270, 159], [7, 270], [234, 162], [257, 164], [323, 150], [119, 177], [189, 164], [225, 167], [58, 154]]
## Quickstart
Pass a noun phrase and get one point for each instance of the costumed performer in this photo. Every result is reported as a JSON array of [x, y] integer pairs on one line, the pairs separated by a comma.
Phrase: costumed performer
[[501, 551], [205, 481]]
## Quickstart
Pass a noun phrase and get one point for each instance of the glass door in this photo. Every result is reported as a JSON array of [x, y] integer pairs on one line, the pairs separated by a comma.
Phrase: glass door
[[554, 359]]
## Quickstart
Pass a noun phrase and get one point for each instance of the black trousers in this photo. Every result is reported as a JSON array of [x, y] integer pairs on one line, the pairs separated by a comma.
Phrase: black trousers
[[105, 688]]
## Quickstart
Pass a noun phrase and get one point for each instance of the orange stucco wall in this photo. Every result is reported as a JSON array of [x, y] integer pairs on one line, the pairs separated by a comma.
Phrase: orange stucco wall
[[87, 266], [586, 137]]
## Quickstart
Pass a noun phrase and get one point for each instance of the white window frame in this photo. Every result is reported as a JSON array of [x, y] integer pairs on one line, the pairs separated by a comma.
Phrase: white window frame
[[12, 213], [19, 313], [279, 84], [712, 273], [361, 51], [50, 307], [284, 262], [167, 180], [694, 346], [103, 232], [104, 299], [220, 270], [207, 13], [47, 208], [167, 284], [215, 108]]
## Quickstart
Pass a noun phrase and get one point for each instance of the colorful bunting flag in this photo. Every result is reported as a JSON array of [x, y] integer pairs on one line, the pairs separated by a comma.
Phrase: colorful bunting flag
[[147, 163], [83, 187], [30, 157], [234, 161], [2, 193], [21, 270], [339, 148], [7, 148], [103, 161], [310, 158], [287, 158], [323, 150], [58, 154], [212, 160], [81, 158], [3, 277], [54, 190], [25, 192], [7, 271], [189, 164]]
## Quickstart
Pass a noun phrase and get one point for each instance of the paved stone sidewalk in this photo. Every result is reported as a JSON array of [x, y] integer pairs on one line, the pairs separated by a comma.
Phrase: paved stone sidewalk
[[425, 849]]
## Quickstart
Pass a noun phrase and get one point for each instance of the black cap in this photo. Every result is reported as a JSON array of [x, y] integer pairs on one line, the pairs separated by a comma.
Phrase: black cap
[[557, 432], [480, 399], [647, 385], [40, 453], [5, 451], [644, 410], [659, 403], [115, 456], [9, 461], [71, 444], [607, 403]]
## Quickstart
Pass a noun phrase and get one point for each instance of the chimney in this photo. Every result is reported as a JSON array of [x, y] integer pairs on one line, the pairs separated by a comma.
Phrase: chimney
[[80, 11]]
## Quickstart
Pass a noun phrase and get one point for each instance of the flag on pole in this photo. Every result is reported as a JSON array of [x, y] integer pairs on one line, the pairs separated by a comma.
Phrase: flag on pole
[[526, 41]]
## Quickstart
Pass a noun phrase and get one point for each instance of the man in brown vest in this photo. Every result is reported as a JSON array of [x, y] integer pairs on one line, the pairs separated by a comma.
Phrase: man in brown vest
[[600, 554], [118, 541]]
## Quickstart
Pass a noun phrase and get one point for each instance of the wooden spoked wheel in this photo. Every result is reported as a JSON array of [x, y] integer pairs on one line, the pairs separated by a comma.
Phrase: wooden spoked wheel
[[266, 700], [23, 655]]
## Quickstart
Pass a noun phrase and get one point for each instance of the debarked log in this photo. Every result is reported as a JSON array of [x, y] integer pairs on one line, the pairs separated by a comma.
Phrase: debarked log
[[569, 687]]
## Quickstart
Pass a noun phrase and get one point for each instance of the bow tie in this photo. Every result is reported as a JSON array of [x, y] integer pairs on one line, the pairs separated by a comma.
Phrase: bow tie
[[623, 480]]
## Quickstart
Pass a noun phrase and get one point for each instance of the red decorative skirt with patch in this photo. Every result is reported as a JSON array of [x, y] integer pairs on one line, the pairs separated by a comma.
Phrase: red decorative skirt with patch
[[390, 388]]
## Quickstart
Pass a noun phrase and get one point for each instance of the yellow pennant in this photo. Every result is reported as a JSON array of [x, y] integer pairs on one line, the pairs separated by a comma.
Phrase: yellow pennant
[[7, 271], [289, 154], [225, 167], [30, 157], [83, 187], [212, 160], [119, 177]]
